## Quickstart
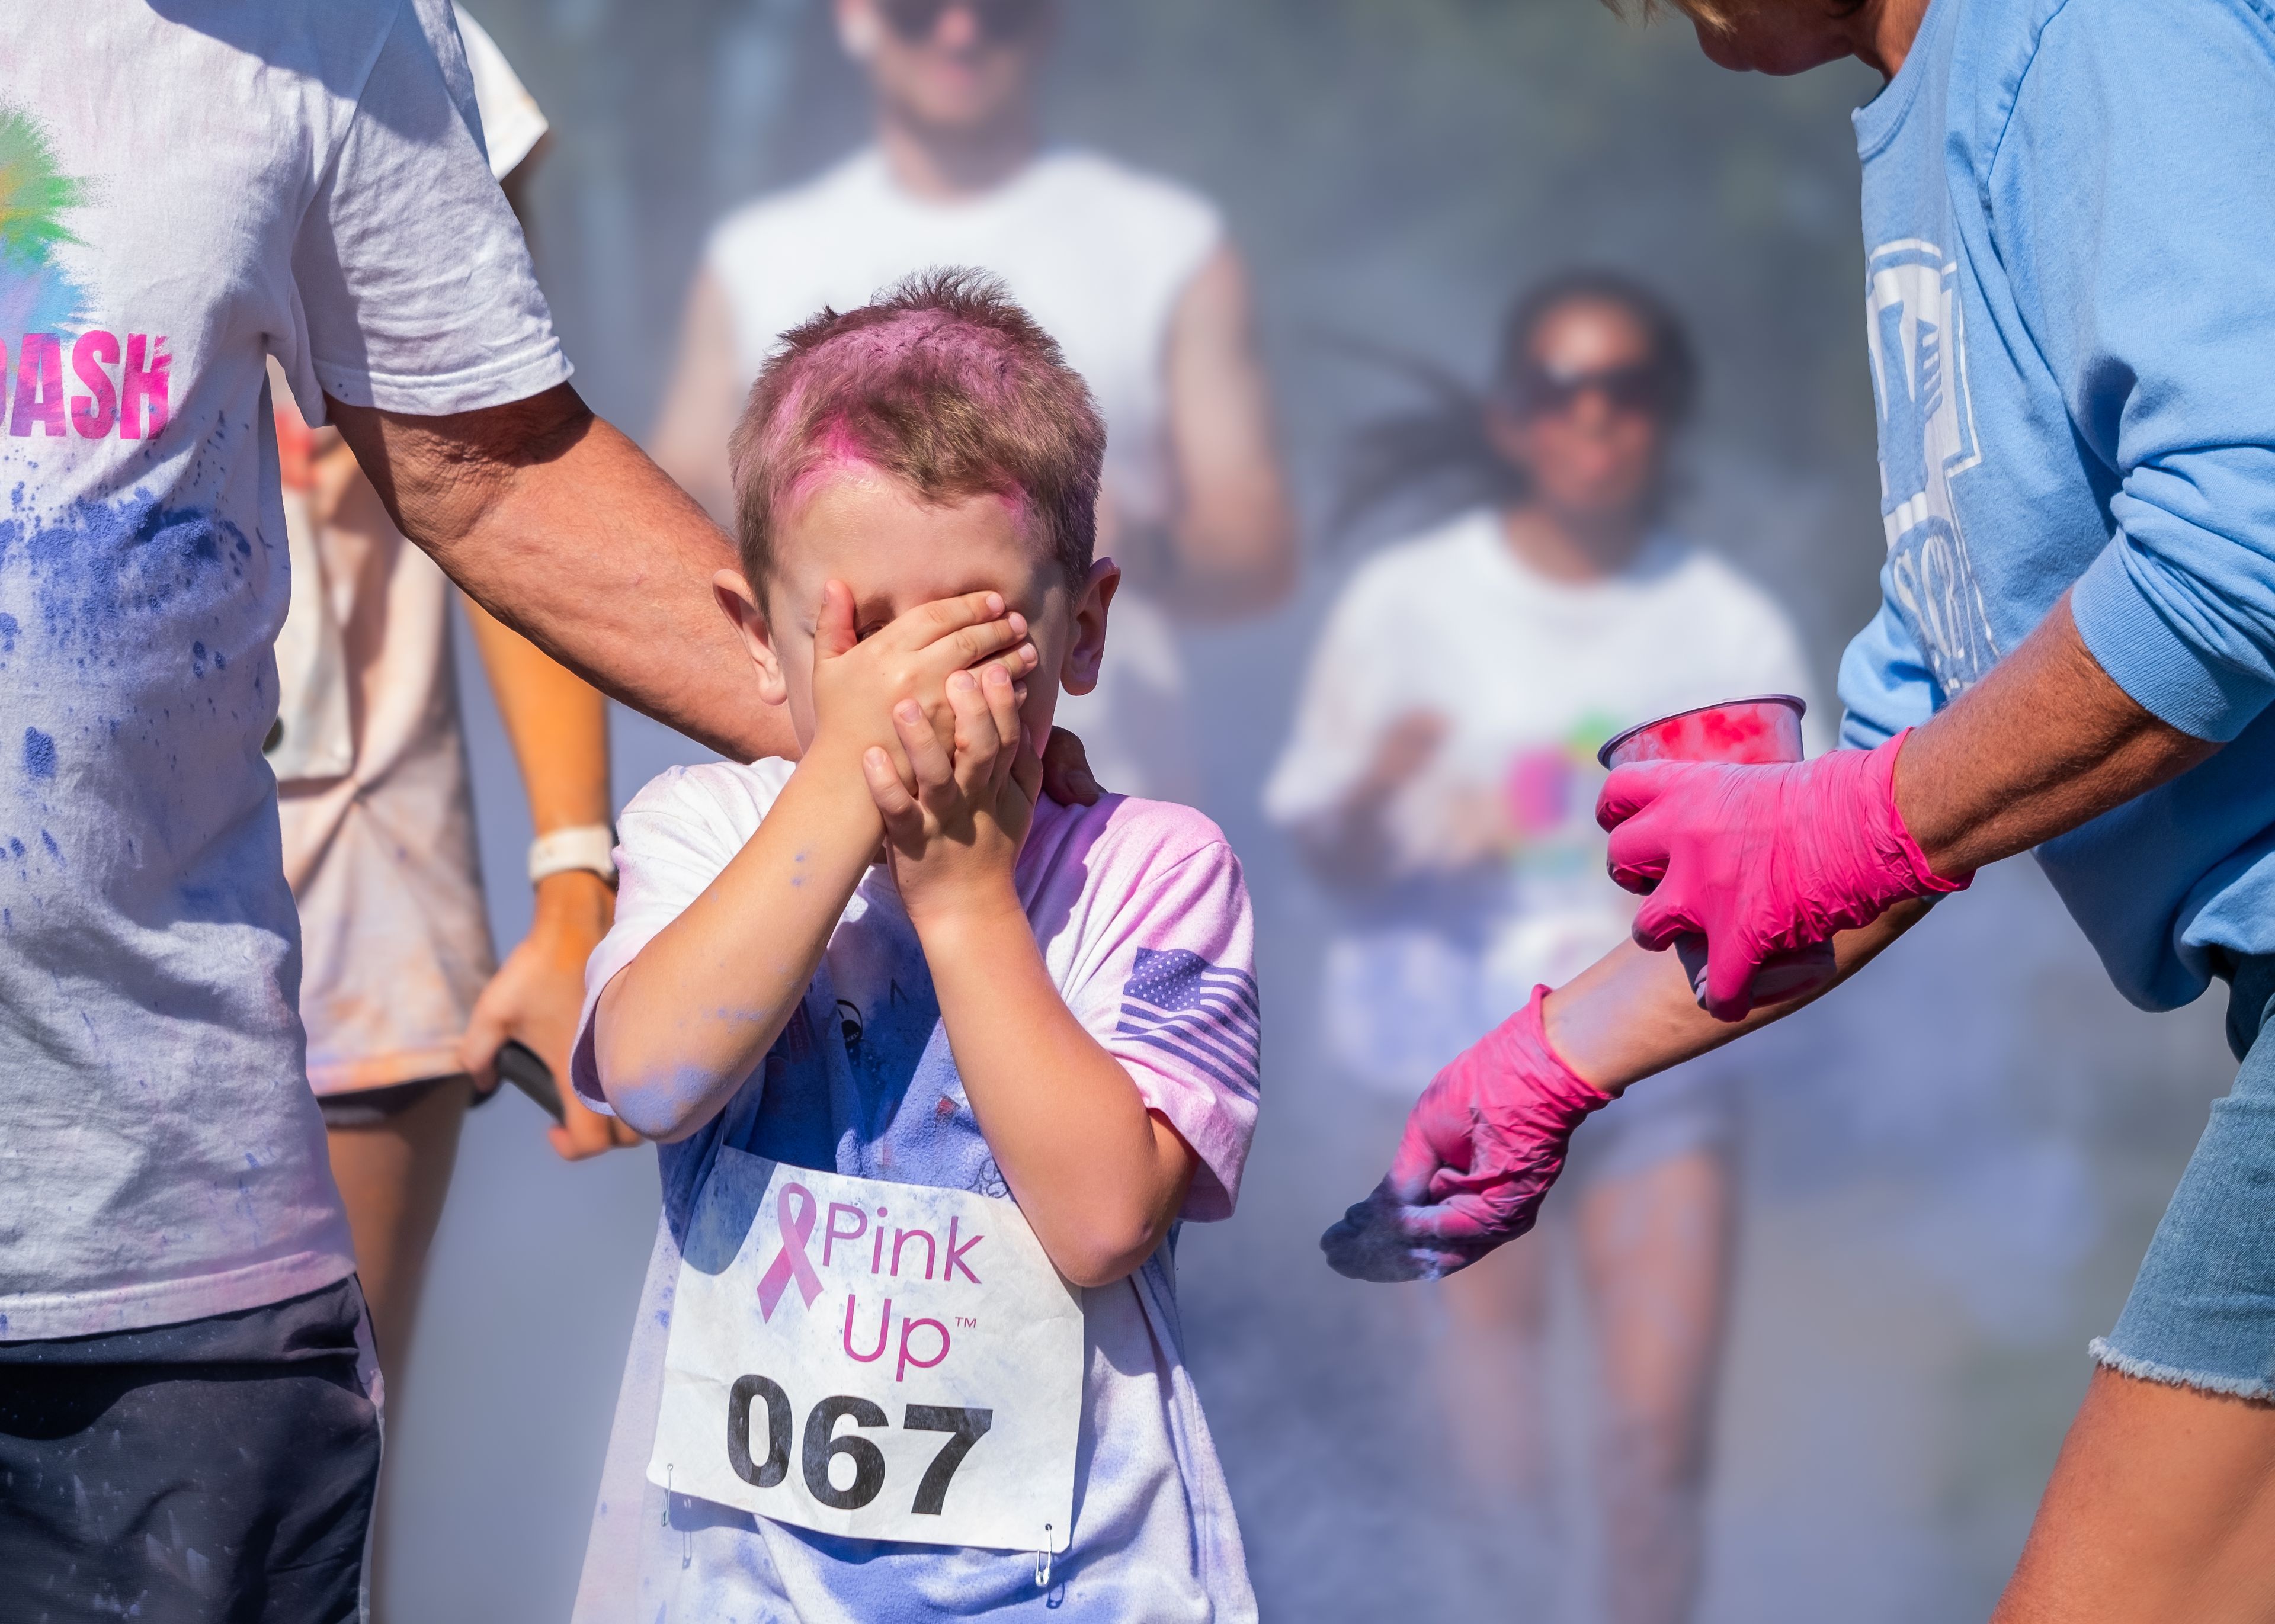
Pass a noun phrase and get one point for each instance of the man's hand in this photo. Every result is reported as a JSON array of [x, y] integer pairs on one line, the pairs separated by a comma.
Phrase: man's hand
[[1067, 777], [535, 998], [1761, 859], [954, 818], [1481, 1148]]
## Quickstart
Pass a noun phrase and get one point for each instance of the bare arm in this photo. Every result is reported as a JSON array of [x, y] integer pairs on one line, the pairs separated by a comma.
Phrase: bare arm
[[559, 726], [680, 1027], [2047, 742], [1100, 1176], [702, 400], [558, 723], [1233, 543], [1632, 1013], [563, 529]]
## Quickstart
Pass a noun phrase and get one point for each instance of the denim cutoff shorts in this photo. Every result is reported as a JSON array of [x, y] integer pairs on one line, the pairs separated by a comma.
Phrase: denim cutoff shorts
[[2202, 1312]]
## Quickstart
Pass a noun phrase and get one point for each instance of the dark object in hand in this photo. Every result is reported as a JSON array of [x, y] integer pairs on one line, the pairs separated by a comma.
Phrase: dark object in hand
[[517, 1063]]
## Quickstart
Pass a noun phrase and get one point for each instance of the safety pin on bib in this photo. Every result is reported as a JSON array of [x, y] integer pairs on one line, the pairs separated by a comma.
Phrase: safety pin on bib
[[1043, 1561]]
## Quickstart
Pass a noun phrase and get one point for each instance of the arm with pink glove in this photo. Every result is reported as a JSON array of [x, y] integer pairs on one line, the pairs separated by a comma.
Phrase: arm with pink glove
[[1752, 867]]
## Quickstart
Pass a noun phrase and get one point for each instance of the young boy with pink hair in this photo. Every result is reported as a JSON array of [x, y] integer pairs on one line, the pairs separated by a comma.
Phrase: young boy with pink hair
[[938, 1064]]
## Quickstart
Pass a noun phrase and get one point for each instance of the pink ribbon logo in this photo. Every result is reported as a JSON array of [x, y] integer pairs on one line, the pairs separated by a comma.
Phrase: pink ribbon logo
[[797, 1224]]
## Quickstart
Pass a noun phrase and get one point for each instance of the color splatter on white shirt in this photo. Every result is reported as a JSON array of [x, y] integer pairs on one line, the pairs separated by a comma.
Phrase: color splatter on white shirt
[[184, 192]]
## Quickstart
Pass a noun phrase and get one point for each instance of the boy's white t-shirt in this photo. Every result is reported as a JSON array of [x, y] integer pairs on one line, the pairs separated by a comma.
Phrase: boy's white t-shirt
[[1144, 922], [190, 190], [1531, 677]]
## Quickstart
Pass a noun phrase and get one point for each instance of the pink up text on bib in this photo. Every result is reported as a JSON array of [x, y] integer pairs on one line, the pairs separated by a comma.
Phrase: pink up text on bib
[[874, 1360]]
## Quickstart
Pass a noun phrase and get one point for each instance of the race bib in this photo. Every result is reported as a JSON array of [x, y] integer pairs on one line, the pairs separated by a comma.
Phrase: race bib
[[879, 1361]]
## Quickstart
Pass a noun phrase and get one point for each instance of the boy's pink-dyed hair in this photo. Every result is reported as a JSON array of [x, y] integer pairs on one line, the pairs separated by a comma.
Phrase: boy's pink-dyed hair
[[943, 382]]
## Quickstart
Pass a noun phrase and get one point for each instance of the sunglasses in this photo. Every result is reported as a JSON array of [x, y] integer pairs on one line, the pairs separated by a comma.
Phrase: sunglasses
[[1640, 387], [1000, 21]]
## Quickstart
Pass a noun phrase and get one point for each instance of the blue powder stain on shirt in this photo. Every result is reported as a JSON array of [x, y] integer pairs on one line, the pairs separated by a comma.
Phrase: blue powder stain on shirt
[[48, 841], [98, 563], [8, 630], [15, 847], [198, 658], [39, 754]]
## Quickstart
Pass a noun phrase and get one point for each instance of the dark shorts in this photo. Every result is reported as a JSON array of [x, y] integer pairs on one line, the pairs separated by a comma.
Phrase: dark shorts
[[375, 1107], [2202, 1312], [219, 1470]]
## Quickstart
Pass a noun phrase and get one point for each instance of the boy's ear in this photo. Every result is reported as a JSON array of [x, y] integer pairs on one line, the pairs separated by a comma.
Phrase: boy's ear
[[740, 605], [1086, 652]]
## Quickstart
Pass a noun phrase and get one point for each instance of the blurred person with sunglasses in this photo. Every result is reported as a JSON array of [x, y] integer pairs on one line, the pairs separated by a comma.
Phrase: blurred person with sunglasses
[[1131, 273], [1441, 782], [2070, 311]]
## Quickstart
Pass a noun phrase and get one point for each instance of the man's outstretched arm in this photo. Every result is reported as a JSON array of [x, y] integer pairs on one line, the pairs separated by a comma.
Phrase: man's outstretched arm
[[2045, 743], [562, 527]]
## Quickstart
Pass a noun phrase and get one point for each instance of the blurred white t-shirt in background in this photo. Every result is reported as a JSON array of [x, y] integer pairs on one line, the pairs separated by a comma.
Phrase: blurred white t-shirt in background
[[1099, 254], [1499, 879]]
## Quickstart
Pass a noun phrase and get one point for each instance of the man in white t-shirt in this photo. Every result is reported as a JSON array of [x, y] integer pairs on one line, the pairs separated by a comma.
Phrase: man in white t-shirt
[[188, 1411], [1131, 274]]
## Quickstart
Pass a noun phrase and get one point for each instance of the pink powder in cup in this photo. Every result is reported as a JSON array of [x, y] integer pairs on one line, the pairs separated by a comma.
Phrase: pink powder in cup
[[1767, 728], [1764, 728]]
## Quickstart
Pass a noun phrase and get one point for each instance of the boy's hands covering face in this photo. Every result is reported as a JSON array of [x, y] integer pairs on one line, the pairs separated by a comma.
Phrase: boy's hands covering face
[[859, 685], [955, 818]]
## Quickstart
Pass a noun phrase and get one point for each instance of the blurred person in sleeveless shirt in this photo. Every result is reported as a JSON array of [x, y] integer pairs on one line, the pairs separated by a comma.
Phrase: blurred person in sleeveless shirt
[[1131, 273]]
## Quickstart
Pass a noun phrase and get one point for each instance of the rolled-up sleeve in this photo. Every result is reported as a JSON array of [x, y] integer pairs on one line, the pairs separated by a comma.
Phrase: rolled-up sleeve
[[2136, 217]]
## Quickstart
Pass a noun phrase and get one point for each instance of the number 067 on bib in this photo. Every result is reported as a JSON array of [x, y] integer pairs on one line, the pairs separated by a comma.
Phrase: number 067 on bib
[[881, 1361]]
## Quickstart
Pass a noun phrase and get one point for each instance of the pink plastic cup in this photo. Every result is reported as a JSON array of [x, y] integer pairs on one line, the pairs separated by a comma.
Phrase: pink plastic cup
[[1764, 728]]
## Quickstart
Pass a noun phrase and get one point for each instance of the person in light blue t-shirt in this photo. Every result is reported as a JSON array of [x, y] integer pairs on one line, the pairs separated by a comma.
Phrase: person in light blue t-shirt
[[2070, 302]]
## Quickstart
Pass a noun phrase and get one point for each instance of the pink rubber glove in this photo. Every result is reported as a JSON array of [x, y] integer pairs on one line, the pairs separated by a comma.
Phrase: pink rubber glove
[[1762, 859], [1481, 1148]]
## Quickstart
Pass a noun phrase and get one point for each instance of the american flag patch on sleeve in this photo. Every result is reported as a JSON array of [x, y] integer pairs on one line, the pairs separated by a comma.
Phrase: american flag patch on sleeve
[[1178, 1003]]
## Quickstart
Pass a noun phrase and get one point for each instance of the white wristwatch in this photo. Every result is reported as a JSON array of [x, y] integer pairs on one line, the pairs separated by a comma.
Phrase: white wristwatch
[[588, 846]]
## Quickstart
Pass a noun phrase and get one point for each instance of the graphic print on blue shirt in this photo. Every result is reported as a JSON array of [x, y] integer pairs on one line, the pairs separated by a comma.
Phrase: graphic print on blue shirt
[[861, 1082], [1918, 337], [1178, 1003], [2082, 184]]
